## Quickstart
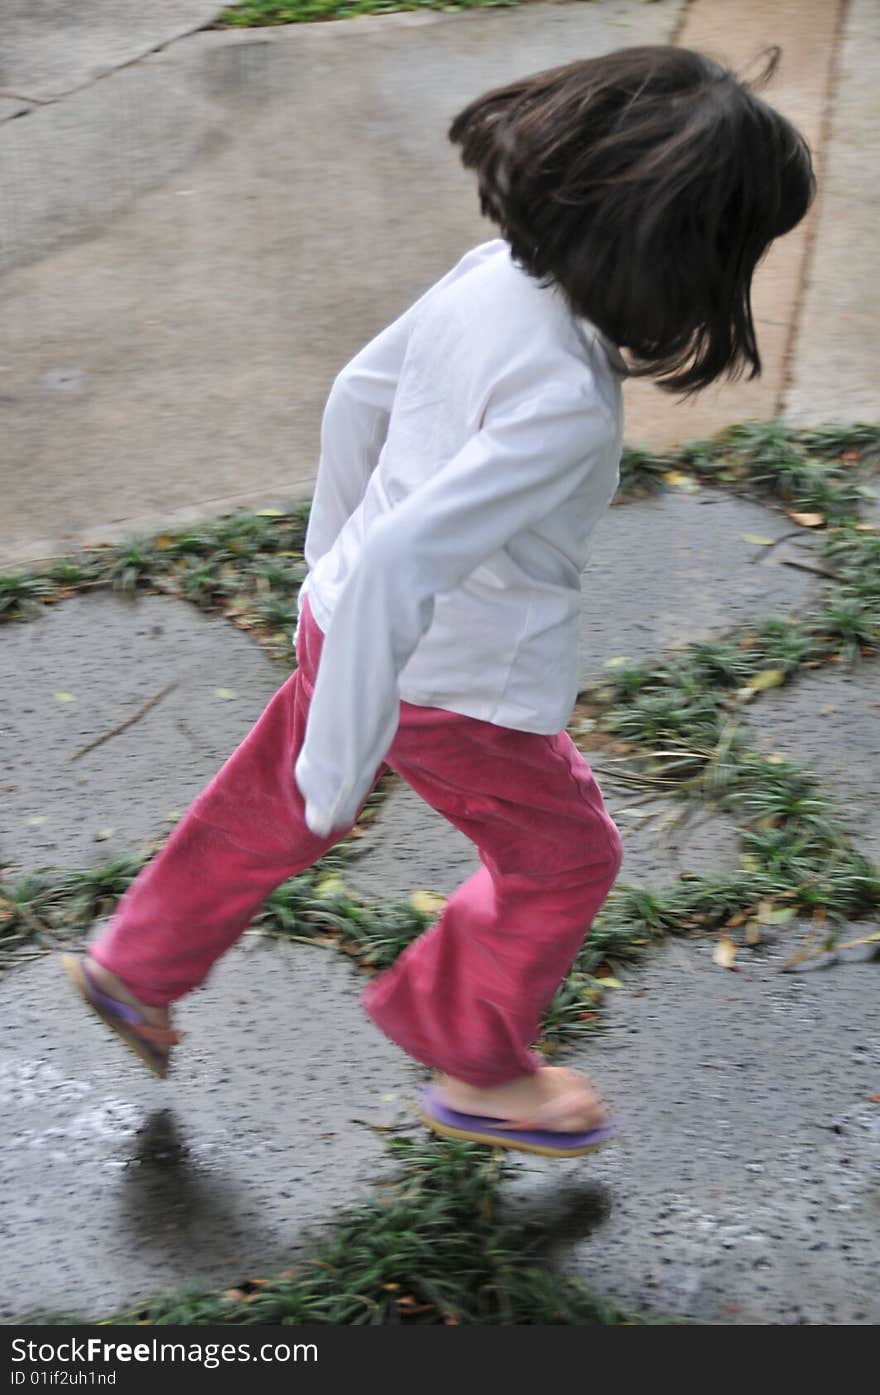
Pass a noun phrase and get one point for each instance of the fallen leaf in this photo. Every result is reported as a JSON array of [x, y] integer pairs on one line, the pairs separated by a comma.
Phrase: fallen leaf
[[769, 678], [616, 662], [808, 520], [753, 936], [427, 902], [328, 887], [412, 1306], [172, 816], [164, 542], [757, 539], [270, 513], [775, 760], [724, 953], [611, 982], [103, 834], [778, 917], [826, 950], [874, 1099], [227, 694], [64, 697], [35, 820], [677, 480], [769, 914], [872, 939]]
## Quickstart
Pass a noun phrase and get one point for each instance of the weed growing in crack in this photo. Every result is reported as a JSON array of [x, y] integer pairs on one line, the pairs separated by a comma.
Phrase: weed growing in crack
[[430, 1249]]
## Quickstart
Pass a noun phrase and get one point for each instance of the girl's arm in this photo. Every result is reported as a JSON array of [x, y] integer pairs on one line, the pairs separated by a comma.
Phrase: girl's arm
[[529, 457], [356, 415], [353, 431]]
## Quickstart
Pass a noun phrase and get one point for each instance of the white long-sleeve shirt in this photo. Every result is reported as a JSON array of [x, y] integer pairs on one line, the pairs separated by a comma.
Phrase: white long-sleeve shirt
[[467, 454]]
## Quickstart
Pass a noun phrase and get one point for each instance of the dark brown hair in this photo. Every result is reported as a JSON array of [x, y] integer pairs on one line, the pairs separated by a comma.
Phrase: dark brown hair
[[647, 184]]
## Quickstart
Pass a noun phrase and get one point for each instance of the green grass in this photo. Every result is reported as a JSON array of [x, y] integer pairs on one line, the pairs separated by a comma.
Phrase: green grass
[[431, 1248], [679, 718], [249, 567], [821, 471], [42, 909], [254, 13]]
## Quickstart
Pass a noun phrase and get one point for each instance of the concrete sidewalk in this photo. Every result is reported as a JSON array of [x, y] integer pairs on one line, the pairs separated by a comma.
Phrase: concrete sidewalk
[[199, 239], [196, 241], [744, 1188]]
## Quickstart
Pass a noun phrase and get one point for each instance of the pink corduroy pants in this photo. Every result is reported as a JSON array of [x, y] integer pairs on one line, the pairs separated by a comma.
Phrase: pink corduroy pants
[[467, 996]]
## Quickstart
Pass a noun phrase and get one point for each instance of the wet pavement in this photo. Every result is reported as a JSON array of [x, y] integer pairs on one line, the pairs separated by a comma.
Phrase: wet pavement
[[115, 1186], [745, 1187]]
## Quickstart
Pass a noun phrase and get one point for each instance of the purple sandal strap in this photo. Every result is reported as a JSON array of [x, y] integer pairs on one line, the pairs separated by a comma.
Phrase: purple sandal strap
[[126, 1013], [554, 1139]]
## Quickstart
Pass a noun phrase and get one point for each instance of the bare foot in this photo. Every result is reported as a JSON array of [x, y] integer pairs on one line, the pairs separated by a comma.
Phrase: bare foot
[[115, 988], [552, 1097]]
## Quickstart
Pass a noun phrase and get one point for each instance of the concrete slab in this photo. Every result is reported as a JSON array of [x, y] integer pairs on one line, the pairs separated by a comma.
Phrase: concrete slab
[[746, 1185], [12, 106], [52, 48], [306, 194], [115, 1186], [667, 571], [833, 369], [410, 847], [806, 30], [656, 850], [64, 173], [830, 721], [110, 655]]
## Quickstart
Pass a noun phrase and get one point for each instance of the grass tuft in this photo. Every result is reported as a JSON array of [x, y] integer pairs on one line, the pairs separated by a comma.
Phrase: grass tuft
[[430, 1249]]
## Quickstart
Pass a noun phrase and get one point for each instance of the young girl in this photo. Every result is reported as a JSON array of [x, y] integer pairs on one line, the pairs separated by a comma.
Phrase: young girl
[[467, 455]]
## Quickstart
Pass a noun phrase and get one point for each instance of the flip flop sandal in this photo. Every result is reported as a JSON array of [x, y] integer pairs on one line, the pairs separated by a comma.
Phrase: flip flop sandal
[[144, 1040], [522, 1138]]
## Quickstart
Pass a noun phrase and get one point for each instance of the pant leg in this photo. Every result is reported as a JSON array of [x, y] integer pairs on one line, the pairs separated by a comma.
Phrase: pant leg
[[467, 997], [243, 836]]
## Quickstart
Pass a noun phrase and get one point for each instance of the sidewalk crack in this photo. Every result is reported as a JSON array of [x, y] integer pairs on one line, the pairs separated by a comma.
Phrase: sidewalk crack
[[110, 72]]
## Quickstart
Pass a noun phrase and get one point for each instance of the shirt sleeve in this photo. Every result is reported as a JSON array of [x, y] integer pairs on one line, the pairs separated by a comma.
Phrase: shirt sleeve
[[353, 431], [529, 456], [356, 416]]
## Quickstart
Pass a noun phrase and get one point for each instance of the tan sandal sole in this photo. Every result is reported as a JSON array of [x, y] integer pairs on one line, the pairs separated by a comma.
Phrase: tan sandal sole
[[73, 968]]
